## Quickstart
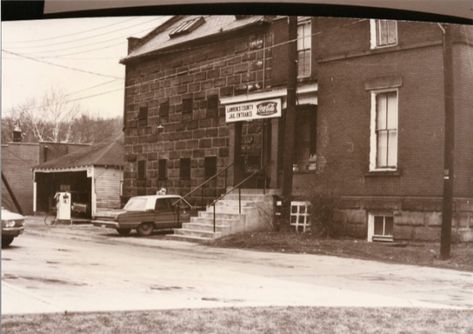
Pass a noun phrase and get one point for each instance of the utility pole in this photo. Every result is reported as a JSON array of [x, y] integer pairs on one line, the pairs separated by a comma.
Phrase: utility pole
[[289, 126], [449, 145]]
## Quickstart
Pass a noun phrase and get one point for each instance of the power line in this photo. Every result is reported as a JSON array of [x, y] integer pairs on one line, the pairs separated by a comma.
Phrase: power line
[[91, 87], [75, 33], [206, 64], [85, 38], [61, 66]]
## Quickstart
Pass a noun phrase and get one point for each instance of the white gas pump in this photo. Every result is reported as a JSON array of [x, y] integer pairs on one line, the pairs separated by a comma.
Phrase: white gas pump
[[63, 206]]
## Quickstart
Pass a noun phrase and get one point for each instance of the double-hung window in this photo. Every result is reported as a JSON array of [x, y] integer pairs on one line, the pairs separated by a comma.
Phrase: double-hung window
[[384, 131], [383, 33], [304, 45]]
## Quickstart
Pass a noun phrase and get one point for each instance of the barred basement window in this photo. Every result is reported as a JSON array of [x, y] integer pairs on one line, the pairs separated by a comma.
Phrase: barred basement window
[[142, 170], [212, 106], [164, 111], [380, 227], [143, 116], [162, 169], [185, 169], [187, 106]]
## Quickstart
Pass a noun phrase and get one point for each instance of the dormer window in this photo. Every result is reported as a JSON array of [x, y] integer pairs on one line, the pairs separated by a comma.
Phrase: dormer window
[[187, 27]]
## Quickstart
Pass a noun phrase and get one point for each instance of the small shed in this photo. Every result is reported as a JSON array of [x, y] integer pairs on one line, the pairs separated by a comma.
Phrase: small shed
[[93, 176]]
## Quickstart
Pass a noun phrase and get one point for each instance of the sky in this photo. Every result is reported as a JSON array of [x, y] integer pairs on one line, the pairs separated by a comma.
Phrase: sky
[[41, 55]]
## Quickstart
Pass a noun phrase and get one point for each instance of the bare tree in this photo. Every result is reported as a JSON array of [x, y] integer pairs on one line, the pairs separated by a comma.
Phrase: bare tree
[[49, 119]]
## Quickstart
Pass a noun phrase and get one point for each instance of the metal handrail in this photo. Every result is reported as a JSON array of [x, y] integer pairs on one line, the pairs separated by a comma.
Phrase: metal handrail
[[237, 186], [201, 186]]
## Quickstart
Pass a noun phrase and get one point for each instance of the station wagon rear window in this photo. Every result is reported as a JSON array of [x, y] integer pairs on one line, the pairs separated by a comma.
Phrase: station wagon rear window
[[136, 204]]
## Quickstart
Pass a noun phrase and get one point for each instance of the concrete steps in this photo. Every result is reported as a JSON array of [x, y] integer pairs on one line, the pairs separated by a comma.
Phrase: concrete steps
[[228, 219]]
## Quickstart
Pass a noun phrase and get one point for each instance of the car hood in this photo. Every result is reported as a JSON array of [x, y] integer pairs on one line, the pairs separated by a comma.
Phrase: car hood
[[8, 215]]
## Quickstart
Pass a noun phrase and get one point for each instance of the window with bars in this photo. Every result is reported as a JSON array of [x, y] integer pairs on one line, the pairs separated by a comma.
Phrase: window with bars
[[142, 170], [212, 106], [162, 169], [384, 134], [380, 227], [164, 110], [143, 116], [185, 169], [304, 44], [210, 166], [383, 33], [187, 106]]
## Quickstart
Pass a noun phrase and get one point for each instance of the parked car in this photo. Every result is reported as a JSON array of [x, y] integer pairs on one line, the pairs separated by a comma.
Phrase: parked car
[[147, 213], [12, 226]]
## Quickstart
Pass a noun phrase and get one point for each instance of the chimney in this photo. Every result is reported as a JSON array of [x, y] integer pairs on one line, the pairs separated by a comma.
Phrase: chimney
[[133, 42], [17, 134]]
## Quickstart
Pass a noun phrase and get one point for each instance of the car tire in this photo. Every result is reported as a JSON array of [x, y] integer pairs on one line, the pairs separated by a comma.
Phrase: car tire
[[123, 231], [6, 241], [145, 229]]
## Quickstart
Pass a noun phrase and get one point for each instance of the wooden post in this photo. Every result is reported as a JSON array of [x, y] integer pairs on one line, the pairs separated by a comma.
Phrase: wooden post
[[289, 122]]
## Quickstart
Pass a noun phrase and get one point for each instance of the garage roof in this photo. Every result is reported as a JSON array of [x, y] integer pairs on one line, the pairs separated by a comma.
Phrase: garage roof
[[108, 153]]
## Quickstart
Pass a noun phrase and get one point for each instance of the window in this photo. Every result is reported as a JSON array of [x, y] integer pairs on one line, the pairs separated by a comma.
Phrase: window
[[164, 110], [185, 169], [212, 106], [162, 169], [187, 26], [305, 140], [164, 204], [304, 43], [141, 170], [187, 106], [383, 33], [380, 227], [143, 116], [210, 166], [384, 131]]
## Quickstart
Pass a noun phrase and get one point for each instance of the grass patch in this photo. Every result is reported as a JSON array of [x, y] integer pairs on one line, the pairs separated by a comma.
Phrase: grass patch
[[247, 320], [415, 253]]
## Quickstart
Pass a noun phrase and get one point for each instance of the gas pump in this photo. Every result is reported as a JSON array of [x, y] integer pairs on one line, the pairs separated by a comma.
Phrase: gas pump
[[63, 206]]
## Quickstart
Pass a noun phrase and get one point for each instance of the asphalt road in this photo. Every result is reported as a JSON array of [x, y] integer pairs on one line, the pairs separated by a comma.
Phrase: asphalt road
[[84, 268]]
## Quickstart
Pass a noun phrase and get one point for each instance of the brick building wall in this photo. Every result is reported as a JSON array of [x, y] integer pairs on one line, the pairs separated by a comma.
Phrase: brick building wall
[[216, 68], [346, 69]]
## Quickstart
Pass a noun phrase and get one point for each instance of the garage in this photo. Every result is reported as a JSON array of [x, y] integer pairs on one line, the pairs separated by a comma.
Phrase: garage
[[93, 177]]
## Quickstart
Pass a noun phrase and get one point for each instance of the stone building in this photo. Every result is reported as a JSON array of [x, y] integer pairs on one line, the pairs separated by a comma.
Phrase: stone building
[[206, 94]]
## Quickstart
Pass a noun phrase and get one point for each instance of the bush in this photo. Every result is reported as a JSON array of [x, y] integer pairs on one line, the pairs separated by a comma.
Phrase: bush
[[322, 216]]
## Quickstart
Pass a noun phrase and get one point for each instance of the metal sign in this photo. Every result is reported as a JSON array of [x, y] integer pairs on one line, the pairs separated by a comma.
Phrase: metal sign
[[248, 111]]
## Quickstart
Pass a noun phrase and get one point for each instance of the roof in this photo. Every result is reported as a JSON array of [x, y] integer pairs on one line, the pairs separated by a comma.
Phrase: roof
[[107, 153], [159, 38]]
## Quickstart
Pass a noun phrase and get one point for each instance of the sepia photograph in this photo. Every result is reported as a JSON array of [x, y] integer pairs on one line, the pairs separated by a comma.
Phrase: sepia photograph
[[218, 173]]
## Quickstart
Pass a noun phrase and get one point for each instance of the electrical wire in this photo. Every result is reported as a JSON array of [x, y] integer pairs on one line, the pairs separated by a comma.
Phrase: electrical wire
[[75, 33], [62, 66], [87, 38]]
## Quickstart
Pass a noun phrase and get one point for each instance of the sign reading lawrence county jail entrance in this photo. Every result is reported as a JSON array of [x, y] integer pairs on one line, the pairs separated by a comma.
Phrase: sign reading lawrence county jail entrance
[[248, 111]]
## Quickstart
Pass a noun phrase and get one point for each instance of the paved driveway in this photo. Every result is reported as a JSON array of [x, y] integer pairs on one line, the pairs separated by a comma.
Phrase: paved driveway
[[83, 268]]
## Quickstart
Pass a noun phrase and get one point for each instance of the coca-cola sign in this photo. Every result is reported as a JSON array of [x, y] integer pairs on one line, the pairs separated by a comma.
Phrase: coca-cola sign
[[251, 110], [266, 108]]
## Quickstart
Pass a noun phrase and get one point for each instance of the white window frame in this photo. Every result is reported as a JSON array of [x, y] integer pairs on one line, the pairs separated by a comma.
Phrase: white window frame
[[374, 32], [302, 21], [380, 237], [373, 136]]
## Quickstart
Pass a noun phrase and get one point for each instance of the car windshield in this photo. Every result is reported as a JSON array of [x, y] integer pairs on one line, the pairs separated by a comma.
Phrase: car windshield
[[136, 204]]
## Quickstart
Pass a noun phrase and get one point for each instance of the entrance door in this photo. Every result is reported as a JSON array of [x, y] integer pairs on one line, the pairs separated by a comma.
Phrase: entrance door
[[255, 153]]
